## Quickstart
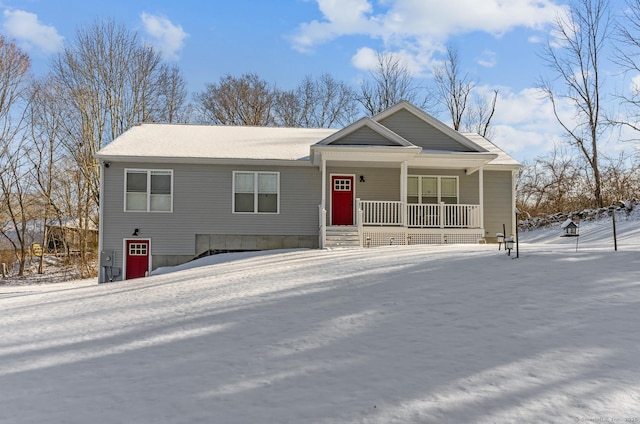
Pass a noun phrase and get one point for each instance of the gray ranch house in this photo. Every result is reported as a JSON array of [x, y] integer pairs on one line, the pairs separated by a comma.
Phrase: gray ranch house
[[170, 193]]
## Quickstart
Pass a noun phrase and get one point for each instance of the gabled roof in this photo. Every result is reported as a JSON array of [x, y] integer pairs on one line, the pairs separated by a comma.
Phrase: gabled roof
[[198, 142], [430, 120], [390, 136], [368, 139]]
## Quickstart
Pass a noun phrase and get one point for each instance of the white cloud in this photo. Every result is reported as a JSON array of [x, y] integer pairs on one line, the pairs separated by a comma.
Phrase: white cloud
[[30, 33], [366, 59], [487, 59], [524, 122], [421, 26], [164, 35]]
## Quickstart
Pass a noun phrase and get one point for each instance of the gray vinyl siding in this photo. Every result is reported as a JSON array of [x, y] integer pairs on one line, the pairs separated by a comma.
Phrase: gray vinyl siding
[[381, 184], [498, 202], [363, 137], [420, 133], [202, 204]]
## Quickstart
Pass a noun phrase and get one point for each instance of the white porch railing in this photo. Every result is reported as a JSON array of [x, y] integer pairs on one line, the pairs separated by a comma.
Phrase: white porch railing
[[381, 212], [386, 213]]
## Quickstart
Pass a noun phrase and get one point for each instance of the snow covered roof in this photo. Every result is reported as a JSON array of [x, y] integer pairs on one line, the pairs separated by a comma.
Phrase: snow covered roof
[[503, 158], [191, 143], [212, 141]]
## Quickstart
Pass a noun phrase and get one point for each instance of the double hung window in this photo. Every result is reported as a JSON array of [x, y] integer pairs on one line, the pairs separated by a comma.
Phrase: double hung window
[[256, 192], [148, 190]]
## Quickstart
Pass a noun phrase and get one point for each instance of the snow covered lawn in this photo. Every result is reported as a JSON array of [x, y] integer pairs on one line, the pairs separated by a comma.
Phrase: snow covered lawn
[[420, 334]]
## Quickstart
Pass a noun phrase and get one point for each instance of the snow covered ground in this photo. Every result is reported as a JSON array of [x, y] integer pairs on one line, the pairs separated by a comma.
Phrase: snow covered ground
[[419, 334]]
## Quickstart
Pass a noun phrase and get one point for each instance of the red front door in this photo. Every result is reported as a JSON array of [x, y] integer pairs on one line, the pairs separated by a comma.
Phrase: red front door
[[341, 200], [137, 258]]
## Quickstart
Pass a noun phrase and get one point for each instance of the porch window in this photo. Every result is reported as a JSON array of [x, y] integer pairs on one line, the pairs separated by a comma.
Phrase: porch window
[[256, 192], [148, 190], [432, 189]]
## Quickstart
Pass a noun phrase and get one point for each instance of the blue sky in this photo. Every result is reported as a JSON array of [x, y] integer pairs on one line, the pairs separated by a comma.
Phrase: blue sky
[[284, 40]]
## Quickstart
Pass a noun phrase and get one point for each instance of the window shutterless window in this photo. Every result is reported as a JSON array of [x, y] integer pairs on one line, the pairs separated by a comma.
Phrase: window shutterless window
[[428, 189], [148, 190], [256, 192]]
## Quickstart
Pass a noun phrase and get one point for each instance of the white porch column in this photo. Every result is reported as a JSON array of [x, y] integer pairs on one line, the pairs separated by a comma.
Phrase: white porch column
[[323, 204], [404, 176], [513, 206], [481, 194], [323, 167]]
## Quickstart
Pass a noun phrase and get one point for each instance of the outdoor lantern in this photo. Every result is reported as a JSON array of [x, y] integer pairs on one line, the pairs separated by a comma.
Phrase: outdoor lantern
[[500, 239], [508, 245]]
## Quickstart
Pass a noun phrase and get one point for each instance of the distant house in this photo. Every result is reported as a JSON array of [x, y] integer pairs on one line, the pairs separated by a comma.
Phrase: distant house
[[64, 236], [170, 193]]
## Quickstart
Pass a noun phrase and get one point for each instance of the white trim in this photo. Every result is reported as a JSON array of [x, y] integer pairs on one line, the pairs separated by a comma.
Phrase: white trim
[[513, 201], [255, 193], [404, 183], [353, 198], [101, 278], [481, 194], [125, 255], [148, 171]]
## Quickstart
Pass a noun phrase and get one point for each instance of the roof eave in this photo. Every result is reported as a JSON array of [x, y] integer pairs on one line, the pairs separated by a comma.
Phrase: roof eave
[[205, 161]]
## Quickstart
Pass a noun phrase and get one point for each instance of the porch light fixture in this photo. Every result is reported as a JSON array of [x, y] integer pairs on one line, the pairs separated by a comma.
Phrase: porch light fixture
[[499, 239], [508, 245], [135, 232], [362, 179]]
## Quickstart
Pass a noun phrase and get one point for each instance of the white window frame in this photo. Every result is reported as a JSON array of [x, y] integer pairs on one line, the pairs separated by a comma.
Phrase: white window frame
[[439, 187], [255, 192], [148, 192]]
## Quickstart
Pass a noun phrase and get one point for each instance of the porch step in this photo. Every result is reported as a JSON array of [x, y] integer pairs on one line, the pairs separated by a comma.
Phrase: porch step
[[342, 237]]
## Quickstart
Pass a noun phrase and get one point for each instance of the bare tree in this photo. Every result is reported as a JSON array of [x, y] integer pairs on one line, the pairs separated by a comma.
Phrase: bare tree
[[46, 153], [244, 100], [323, 102], [469, 111], [14, 192], [107, 81], [452, 86], [552, 183], [575, 58], [479, 115], [391, 82], [172, 95], [627, 53]]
